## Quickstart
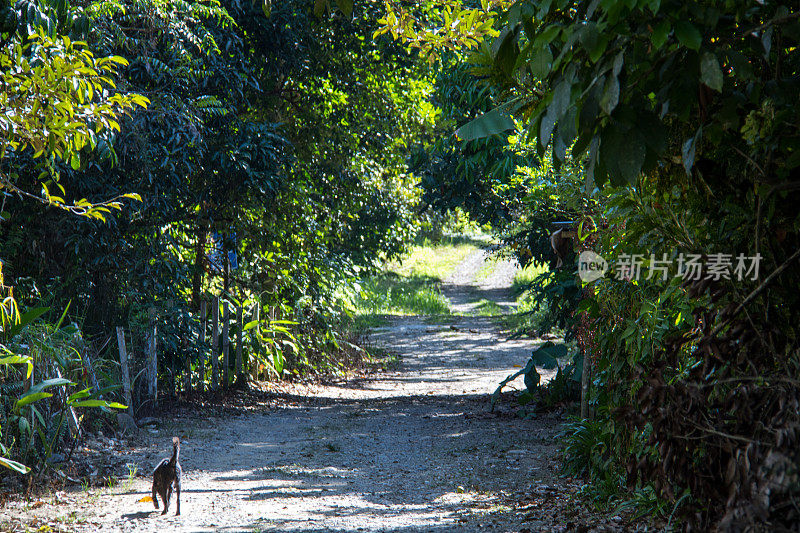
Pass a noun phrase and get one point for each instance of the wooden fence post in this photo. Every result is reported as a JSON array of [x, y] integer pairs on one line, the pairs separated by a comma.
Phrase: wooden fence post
[[123, 362], [215, 344], [239, 336], [152, 359], [225, 342], [187, 375], [254, 364], [201, 364]]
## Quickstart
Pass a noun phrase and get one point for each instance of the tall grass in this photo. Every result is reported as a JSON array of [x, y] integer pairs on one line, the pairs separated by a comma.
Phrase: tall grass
[[410, 285], [529, 314], [524, 277], [489, 308], [390, 293], [435, 261]]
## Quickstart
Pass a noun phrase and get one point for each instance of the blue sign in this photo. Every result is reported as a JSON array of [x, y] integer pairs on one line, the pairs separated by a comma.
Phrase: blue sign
[[215, 256]]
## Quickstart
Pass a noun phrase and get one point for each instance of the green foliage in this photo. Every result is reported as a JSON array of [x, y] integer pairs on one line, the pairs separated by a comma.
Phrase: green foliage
[[586, 447], [388, 294], [445, 25], [272, 341], [560, 388], [550, 195], [588, 452], [48, 104], [690, 109], [490, 123], [34, 420], [486, 307], [273, 133], [475, 169]]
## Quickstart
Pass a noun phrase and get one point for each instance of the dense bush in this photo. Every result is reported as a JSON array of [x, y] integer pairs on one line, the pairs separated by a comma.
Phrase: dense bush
[[687, 113]]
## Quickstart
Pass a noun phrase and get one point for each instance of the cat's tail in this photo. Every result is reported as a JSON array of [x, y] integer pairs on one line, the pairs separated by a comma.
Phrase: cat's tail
[[176, 449]]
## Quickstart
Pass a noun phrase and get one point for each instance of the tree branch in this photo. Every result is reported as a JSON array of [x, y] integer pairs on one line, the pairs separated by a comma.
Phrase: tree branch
[[758, 290]]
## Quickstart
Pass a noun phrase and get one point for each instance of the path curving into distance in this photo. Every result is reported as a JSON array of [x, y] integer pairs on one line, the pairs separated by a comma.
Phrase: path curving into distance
[[414, 449]]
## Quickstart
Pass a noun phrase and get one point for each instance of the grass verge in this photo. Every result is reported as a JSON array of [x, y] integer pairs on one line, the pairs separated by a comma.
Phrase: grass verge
[[529, 313], [435, 261], [410, 285]]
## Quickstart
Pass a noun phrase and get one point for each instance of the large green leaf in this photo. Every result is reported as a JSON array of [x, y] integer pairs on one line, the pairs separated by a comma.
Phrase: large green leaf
[[346, 6], [506, 52], [660, 34], [541, 62], [547, 355], [85, 393], [546, 127], [26, 318], [30, 398], [546, 36], [622, 154], [710, 72], [610, 97], [578, 372], [46, 384], [589, 36], [98, 403], [532, 378], [14, 465], [18, 360], [490, 123], [688, 35], [561, 99], [689, 150]]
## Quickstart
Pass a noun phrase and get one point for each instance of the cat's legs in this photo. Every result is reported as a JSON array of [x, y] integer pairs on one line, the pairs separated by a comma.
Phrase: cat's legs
[[178, 496], [166, 497]]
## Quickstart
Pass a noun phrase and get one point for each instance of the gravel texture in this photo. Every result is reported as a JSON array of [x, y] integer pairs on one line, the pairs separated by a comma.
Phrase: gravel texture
[[413, 449]]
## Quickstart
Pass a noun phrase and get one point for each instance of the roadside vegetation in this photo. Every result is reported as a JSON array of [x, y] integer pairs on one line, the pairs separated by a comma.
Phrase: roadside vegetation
[[528, 318], [654, 131], [409, 285]]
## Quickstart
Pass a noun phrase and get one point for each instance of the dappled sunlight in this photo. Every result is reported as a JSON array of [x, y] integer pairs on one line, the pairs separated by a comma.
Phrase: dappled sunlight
[[416, 450]]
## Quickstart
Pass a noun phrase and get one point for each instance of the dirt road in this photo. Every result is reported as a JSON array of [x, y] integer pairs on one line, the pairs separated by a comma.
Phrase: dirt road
[[413, 450]]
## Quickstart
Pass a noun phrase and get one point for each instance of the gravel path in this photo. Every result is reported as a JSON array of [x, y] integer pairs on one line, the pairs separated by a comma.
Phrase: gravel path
[[466, 287], [415, 449]]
